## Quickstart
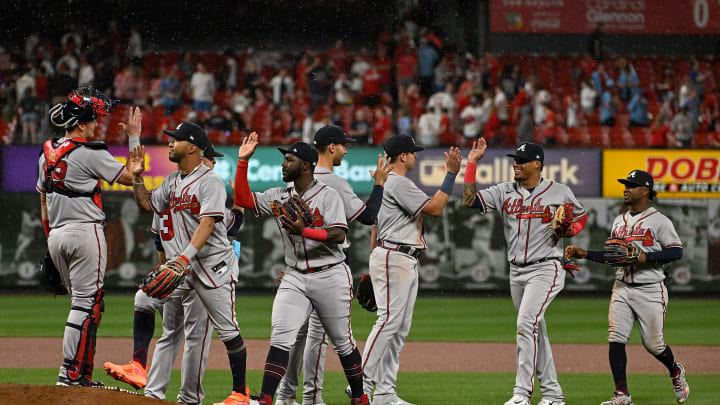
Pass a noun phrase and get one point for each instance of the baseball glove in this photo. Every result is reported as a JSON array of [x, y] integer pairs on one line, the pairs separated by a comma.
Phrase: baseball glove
[[620, 253], [293, 208], [163, 279], [49, 276], [365, 293], [562, 221]]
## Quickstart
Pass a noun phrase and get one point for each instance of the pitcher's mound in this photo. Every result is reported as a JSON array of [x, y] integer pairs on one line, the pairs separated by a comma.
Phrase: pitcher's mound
[[53, 395]]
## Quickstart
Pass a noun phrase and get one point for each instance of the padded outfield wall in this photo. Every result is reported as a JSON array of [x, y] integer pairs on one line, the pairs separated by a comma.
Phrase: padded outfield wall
[[466, 251]]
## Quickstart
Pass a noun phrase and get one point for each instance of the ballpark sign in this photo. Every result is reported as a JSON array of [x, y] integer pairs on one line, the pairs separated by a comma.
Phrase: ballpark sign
[[677, 173], [580, 170]]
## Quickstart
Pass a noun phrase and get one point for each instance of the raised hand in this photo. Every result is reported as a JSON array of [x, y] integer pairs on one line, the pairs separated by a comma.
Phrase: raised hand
[[248, 146], [453, 158], [382, 171], [134, 124], [478, 150], [136, 161]]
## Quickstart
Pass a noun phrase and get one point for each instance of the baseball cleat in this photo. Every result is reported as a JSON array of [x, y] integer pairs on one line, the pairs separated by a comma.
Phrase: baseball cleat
[[238, 398], [80, 382], [134, 373], [551, 402], [389, 400], [348, 392], [619, 398], [518, 400], [363, 400], [681, 387]]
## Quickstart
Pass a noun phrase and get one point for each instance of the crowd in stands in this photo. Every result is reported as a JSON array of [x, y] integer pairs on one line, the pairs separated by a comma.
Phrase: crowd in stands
[[407, 82]]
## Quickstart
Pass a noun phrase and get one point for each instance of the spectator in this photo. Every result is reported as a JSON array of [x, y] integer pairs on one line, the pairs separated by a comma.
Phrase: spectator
[[594, 45], [24, 82], [171, 90], [343, 95], [338, 58], [281, 84], [229, 71], [69, 60], [202, 85], [429, 128], [638, 108], [428, 57], [628, 82], [608, 109], [371, 87], [186, 65], [134, 46], [218, 120], [542, 99], [28, 108], [501, 104], [682, 128], [444, 99], [549, 127], [493, 127], [253, 78], [360, 127], [471, 117], [571, 112], [600, 79], [382, 126], [319, 82], [86, 74], [384, 67], [361, 64], [525, 132], [660, 133], [295, 132], [404, 122], [588, 97], [61, 85], [127, 85], [41, 84], [405, 71]]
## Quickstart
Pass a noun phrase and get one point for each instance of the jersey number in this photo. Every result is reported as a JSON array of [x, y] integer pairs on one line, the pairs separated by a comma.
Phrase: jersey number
[[58, 174], [166, 226]]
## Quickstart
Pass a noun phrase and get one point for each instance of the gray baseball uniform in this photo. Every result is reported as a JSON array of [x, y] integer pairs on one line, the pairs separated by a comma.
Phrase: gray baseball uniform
[[639, 293], [316, 276], [183, 317], [535, 272], [393, 270], [308, 352], [76, 241]]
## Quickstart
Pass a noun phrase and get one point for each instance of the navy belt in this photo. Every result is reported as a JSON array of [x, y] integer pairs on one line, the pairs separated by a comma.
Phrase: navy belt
[[547, 259], [317, 269], [407, 249]]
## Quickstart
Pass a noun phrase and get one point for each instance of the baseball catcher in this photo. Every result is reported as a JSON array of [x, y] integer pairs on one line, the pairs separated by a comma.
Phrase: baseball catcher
[[163, 279], [293, 209], [619, 252], [366, 294]]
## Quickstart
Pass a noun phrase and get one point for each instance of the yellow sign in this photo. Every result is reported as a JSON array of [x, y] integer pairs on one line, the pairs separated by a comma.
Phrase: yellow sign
[[677, 173]]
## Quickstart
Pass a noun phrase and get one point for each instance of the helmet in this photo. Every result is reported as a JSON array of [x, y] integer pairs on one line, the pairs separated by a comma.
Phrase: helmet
[[83, 105]]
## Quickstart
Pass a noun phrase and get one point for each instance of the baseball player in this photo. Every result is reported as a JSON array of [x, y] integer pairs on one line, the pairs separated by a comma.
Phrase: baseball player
[[70, 171], [316, 276], [195, 196], [397, 242], [309, 355], [191, 323], [527, 207], [639, 294]]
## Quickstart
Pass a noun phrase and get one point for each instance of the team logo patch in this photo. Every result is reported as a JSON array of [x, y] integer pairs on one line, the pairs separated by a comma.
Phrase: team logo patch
[[318, 219]]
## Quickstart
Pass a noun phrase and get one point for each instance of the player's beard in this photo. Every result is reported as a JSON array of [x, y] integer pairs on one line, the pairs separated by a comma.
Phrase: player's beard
[[291, 175], [174, 156]]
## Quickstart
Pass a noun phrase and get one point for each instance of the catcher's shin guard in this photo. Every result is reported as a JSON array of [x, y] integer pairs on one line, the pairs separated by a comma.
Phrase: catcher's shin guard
[[82, 364]]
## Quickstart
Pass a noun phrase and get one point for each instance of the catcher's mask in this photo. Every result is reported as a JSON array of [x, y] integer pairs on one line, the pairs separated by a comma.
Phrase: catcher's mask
[[83, 105]]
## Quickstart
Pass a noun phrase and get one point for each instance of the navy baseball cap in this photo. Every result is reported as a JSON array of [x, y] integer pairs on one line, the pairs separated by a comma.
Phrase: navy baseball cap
[[187, 131], [210, 152], [398, 144], [302, 150], [638, 178], [331, 134], [528, 151]]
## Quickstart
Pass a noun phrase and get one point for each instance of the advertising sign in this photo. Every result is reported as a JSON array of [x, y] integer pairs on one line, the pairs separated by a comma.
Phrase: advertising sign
[[677, 173], [617, 16]]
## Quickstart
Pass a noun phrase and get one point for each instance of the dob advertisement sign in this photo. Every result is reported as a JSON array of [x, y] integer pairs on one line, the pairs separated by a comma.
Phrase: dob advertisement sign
[[677, 173]]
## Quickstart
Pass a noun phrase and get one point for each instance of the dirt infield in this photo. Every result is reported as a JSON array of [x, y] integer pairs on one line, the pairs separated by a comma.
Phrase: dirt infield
[[416, 356], [47, 394]]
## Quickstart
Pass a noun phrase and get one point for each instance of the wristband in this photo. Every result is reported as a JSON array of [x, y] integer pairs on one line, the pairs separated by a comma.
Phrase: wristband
[[470, 172], [133, 141], [448, 183], [46, 226], [189, 252], [318, 234]]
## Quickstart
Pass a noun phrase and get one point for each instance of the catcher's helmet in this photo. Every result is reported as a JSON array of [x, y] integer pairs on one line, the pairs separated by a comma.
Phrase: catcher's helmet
[[83, 105]]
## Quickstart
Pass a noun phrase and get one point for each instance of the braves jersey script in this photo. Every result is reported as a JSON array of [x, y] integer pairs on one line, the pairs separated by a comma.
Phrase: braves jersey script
[[527, 217], [327, 209], [199, 194], [650, 231], [399, 219], [79, 171]]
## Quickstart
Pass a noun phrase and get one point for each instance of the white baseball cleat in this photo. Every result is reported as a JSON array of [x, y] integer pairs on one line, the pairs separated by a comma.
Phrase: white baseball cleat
[[681, 387], [551, 402], [518, 400], [619, 398], [389, 400]]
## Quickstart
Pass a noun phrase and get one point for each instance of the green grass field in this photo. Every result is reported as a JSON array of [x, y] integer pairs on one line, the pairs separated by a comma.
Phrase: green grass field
[[570, 320]]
